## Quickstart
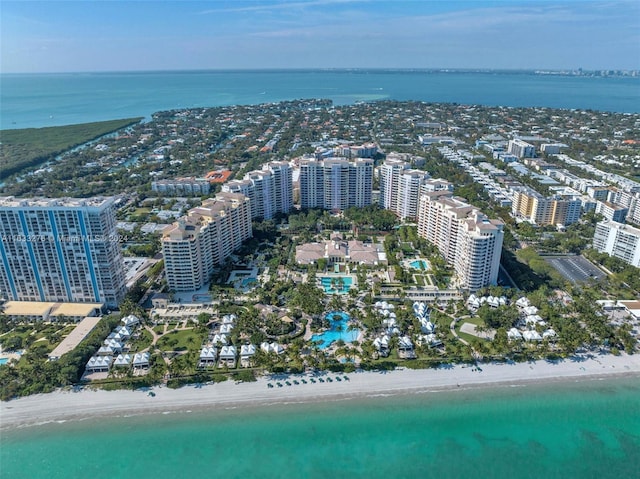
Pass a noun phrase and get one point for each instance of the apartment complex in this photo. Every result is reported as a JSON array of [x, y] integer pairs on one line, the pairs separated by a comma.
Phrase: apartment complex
[[60, 250], [468, 240], [532, 206], [198, 242], [400, 187], [270, 189], [182, 187], [335, 184], [521, 148], [618, 240]]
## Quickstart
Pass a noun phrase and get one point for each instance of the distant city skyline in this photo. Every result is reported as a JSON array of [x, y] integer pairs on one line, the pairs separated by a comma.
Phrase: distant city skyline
[[133, 36]]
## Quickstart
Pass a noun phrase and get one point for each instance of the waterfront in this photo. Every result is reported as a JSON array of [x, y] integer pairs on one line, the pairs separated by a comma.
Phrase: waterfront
[[37, 100], [583, 428]]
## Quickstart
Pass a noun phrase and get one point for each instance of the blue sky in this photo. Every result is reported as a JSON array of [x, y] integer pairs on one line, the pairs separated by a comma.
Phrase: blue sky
[[53, 36]]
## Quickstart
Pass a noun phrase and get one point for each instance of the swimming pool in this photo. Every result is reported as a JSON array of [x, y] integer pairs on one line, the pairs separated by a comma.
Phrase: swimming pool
[[419, 264], [336, 287], [338, 330], [4, 361], [246, 282]]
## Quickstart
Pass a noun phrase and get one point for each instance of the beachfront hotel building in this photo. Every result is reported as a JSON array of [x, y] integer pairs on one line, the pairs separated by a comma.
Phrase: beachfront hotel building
[[618, 240], [534, 207], [401, 187], [60, 250], [467, 239], [198, 242], [270, 189], [335, 184]]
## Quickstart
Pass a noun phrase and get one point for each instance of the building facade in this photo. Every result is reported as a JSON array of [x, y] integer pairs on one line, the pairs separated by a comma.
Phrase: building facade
[[530, 205], [401, 187], [270, 189], [182, 187], [618, 240], [60, 250], [335, 184], [198, 242], [467, 239], [521, 148]]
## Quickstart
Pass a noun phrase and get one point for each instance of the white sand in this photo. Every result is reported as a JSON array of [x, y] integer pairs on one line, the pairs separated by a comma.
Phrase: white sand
[[67, 405]]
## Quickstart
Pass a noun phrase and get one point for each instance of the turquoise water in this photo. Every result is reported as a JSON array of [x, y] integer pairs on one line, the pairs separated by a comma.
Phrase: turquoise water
[[4, 361], [246, 282], [347, 281], [36, 100], [571, 430], [419, 264], [338, 330]]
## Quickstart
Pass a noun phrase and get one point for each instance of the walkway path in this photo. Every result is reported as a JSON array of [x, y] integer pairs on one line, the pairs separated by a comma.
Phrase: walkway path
[[452, 327]]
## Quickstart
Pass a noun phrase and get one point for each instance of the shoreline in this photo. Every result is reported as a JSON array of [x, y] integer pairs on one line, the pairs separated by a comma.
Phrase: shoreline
[[66, 405]]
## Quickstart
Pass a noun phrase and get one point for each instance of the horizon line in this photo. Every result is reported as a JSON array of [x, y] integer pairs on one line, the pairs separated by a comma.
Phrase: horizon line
[[335, 69]]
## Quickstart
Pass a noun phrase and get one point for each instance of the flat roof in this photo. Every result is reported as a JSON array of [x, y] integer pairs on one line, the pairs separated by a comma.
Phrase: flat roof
[[42, 308], [75, 309], [27, 308], [80, 332]]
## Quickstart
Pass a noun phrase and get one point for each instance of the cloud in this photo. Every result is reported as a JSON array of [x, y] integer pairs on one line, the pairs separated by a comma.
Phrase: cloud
[[281, 6]]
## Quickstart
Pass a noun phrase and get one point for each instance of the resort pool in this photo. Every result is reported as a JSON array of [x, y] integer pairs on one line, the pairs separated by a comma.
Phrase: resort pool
[[419, 264], [331, 284], [247, 282], [4, 361], [338, 330]]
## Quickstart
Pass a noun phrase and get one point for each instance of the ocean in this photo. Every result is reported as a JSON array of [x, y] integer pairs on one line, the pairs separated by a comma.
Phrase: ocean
[[38, 100], [586, 429]]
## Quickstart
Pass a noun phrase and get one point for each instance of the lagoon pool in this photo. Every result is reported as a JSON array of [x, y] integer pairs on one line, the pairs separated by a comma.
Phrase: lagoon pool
[[4, 361], [419, 264], [347, 281], [338, 330]]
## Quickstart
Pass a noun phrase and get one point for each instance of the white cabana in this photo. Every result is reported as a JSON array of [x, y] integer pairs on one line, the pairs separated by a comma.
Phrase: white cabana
[[531, 336], [99, 364], [533, 319], [131, 320], [229, 319], [405, 343], [247, 350], [106, 351], [246, 353], [513, 333], [226, 328], [208, 356], [141, 360], [272, 348], [228, 352], [427, 326], [530, 310], [122, 360], [429, 339], [220, 339], [522, 302], [549, 333], [381, 342]]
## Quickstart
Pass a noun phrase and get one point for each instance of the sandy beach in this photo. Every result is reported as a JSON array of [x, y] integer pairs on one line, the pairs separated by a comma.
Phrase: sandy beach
[[69, 405]]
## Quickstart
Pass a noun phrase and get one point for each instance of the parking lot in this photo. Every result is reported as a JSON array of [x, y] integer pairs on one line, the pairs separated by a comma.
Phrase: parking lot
[[576, 269]]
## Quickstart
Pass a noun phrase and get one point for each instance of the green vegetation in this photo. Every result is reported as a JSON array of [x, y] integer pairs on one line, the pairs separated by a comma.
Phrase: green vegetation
[[30, 147], [180, 340], [35, 374]]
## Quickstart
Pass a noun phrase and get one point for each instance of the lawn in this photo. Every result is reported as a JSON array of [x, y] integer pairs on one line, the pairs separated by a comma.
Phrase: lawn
[[182, 340], [142, 342]]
